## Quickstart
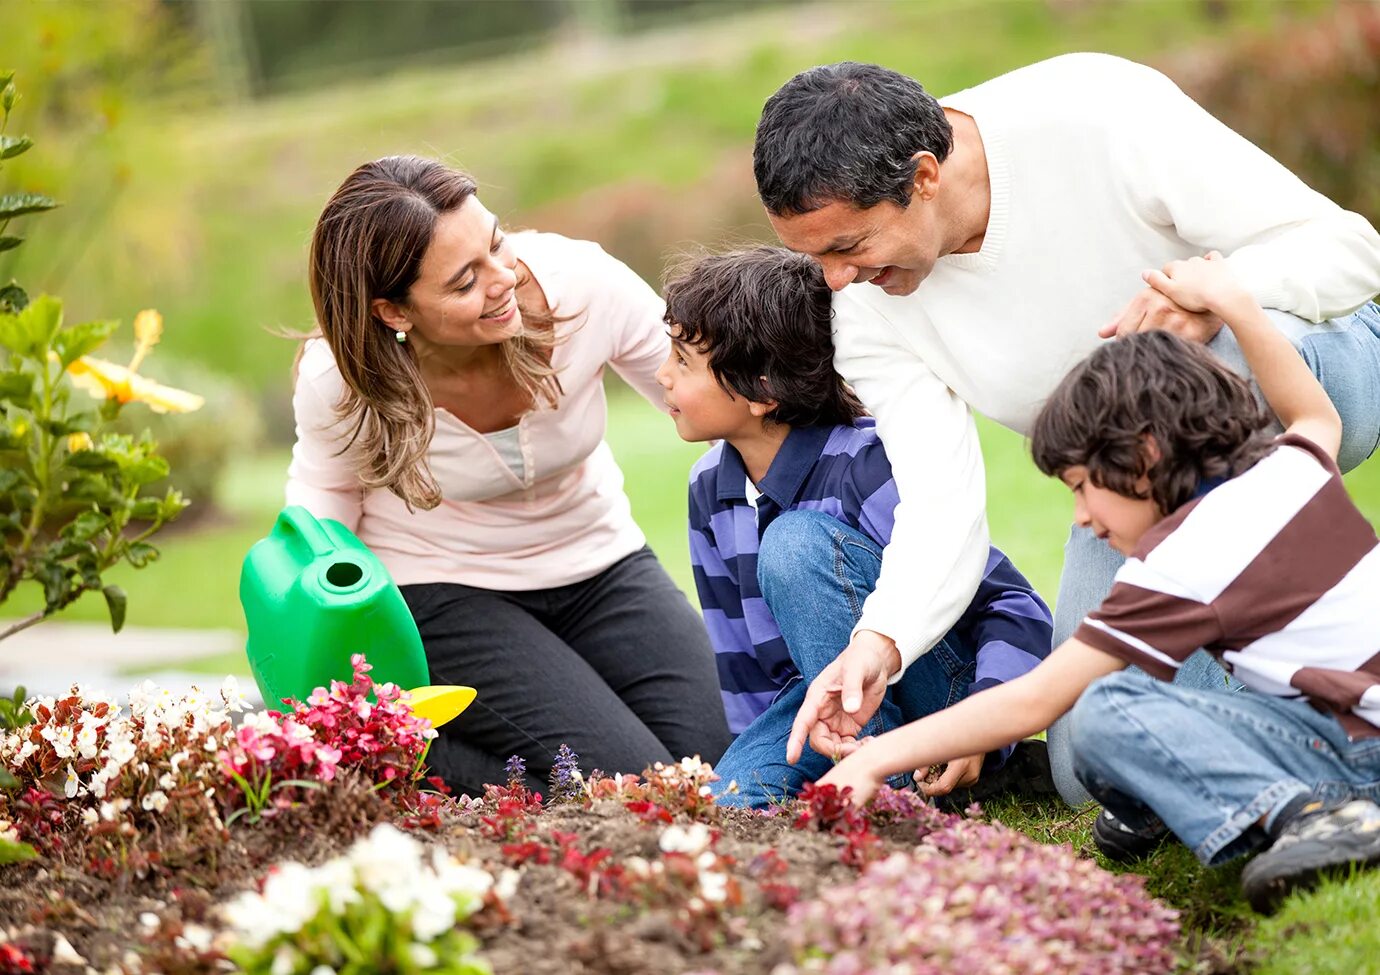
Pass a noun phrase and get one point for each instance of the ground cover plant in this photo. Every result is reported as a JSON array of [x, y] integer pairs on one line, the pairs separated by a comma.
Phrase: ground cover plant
[[184, 834]]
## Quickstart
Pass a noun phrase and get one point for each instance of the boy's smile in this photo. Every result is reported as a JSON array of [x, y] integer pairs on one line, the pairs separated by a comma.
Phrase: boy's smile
[[701, 408], [1120, 520]]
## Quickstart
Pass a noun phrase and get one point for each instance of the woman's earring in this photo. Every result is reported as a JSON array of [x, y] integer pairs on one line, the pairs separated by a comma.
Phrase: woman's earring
[[401, 336]]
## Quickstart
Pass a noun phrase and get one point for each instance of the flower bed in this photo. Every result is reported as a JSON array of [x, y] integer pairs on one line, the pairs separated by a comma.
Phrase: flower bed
[[309, 841]]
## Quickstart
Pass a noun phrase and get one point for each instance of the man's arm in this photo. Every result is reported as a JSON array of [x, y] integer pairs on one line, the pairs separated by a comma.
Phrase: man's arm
[[1015, 710], [938, 547], [1289, 246]]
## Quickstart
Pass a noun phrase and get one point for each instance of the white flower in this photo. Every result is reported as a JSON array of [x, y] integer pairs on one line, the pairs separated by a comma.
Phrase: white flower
[[155, 800], [714, 886], [149, 920], [90, 817], [69, 787], [434, 913], [177, 758], [166, 781], [323, 970], [422, 956], [386, 856], [87, 744], [232, 695], [121, 749], [507, 884], [691, 839], [284, 961]]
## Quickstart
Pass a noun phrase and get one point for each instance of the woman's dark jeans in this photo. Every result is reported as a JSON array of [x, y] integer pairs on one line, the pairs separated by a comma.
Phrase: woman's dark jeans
[[618, 667]]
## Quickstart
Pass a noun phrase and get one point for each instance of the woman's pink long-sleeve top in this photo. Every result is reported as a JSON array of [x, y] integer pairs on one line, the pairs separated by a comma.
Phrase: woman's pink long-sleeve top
[[568, 519]]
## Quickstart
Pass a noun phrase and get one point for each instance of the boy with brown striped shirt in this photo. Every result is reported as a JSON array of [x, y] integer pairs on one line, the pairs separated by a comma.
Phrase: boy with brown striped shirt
[[1241, 544]]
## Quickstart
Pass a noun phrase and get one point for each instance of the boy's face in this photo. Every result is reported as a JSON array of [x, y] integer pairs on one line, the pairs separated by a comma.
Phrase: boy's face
[[701, 408], [1119, 519]]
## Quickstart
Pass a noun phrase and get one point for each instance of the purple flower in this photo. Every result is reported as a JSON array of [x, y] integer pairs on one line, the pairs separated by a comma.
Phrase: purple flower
[[567, 784]]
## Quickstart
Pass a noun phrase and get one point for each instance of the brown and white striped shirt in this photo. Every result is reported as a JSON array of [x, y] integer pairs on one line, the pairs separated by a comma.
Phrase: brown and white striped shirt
[[1275, 572]]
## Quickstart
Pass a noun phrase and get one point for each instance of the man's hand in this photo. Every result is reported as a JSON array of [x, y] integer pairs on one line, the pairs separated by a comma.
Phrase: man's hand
[[1151, 310], [843, 698], [958, 774]]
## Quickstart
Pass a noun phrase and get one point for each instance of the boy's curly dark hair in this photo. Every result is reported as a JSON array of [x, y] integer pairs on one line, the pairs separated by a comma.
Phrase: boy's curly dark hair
[[1203, 418], [762, 316]]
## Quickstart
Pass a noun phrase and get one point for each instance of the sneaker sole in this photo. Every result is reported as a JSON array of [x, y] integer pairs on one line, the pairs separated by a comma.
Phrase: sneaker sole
[[1268, 880], [1122, 847]]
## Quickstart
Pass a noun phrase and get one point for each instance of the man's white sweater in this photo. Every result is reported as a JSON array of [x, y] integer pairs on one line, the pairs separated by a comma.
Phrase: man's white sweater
[[1099, 168]]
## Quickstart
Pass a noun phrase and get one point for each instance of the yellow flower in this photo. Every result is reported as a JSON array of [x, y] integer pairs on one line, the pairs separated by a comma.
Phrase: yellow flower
[[79, 441], [106, 380], [148, 329]]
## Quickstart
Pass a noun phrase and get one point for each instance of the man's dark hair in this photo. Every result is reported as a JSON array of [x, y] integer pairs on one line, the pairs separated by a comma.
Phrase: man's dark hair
[[845, 132], [762, 316], [1204, 419]]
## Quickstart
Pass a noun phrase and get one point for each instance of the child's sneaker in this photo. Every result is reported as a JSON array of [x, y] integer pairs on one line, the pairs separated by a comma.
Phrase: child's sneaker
[[1319, 837], [1122, 844]]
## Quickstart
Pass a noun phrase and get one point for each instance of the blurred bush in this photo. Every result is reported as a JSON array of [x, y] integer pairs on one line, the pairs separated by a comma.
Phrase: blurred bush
[[1307, 93], [199, 446]]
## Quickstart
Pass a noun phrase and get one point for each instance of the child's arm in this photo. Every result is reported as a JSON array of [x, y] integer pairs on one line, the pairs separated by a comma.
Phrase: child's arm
[[1015, 710], [1206, 284]]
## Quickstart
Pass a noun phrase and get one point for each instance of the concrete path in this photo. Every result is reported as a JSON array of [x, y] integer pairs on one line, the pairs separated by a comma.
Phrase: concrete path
[[49, 657]]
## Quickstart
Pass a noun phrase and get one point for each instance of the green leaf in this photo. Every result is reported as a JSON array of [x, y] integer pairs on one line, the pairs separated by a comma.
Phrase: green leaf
[[91, 460], [145, 470], [56, 586], [10, 851], [10, 243], [140, 554], [30, 332], [7, 95], [79, 340], [86, 525], [14, 145], [146, 509], [13, 297], [18, 204], [115, 601], [17, 387]]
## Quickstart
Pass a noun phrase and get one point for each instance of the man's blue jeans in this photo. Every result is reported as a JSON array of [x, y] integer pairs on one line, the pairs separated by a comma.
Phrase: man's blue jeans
[[814, 573], [1211, 763], [1345, 356]]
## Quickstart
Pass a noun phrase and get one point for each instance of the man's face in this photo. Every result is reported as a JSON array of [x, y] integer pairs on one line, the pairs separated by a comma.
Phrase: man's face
[[884, 245]]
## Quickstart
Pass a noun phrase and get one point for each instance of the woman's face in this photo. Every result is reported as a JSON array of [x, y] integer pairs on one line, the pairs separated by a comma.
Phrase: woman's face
[[465, 292]]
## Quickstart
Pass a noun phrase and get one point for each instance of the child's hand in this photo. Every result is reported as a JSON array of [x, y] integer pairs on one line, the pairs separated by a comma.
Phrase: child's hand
[[856, 772], [958, 774], [1199, 284]]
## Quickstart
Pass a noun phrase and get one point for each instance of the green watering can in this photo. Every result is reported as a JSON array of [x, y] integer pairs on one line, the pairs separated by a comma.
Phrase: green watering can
[[313, 594]]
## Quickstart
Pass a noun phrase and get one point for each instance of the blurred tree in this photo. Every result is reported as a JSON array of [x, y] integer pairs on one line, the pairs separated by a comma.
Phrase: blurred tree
[[1306, 92]]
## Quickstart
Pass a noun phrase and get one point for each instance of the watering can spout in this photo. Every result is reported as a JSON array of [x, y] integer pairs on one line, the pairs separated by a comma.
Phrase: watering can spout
[[314, 595]]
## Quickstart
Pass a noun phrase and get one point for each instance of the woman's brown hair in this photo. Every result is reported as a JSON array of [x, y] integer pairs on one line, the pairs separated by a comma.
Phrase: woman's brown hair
[[1203, 418], [369, 243]]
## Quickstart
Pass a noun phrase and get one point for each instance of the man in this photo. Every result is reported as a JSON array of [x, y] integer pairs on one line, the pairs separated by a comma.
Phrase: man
[[977, 244]]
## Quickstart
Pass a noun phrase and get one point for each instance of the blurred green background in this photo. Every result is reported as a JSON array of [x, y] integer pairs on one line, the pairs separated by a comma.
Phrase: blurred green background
[[193, 145]]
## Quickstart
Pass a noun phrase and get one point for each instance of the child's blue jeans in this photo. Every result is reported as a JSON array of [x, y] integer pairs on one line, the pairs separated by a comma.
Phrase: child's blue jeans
[[1211, 763], [814, 573]]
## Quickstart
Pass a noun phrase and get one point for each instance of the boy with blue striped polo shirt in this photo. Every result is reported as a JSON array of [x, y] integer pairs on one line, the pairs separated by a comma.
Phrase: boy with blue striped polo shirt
[[789, 513]]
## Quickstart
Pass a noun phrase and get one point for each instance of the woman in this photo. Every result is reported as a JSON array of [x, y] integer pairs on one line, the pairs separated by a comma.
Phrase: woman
[[452, 414]]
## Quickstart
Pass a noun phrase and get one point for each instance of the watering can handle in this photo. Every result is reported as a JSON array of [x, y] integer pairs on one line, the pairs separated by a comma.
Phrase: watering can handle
[[296, 518]]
